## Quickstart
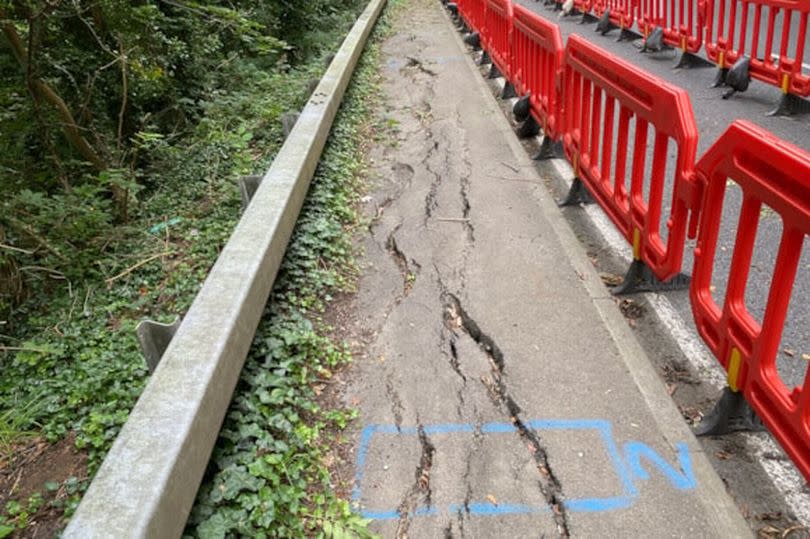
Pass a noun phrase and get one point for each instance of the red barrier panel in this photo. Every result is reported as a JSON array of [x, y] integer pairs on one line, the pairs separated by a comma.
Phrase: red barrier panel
[[603, 94], [498, 31], [734, 28], [773, 172], [537, 56], [681, 21], [622, 12], [473, 14], [583, 6]]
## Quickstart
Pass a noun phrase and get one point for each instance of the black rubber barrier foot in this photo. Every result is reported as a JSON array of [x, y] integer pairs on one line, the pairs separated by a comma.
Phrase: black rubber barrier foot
[[529, 128], [689, 60], [473, 40], [508, 91], [789, 105], [452, 7], [485, 59], [577, 194], [494, 72], [640, 278], [731, 413], [588, 18], [628, 35], [521, 108], [655, 41], [738, 77], [604, 25], [720, 78], [549, 149]]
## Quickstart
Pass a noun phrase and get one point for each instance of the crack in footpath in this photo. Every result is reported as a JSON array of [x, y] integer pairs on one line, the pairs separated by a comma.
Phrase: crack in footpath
[[465, 205], [408, 276], [396, 402], [420, 487], [550, 486]]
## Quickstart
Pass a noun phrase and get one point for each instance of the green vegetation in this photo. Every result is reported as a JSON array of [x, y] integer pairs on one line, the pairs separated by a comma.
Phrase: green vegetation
[[269, 474], [118, 196]]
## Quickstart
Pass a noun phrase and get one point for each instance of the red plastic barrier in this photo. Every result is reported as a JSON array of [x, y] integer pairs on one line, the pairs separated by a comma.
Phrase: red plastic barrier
[[622, 12], [734, 28], [601, 90], [681, 21], [773, 172], [537, 56], [474, 12], [498, 31], [583, 6]]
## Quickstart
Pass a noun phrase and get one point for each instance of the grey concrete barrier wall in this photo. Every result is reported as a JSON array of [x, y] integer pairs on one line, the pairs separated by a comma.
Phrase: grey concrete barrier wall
[[147, 484]]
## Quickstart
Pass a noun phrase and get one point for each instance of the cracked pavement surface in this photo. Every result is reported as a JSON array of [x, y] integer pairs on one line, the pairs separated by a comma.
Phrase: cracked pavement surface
[[495, 399]]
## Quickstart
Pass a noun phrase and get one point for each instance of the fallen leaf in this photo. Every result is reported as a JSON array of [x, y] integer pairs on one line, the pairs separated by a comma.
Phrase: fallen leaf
[[611, 279], [806, 357], [788, 352], [792, 529], [722, 455], [492, 499]]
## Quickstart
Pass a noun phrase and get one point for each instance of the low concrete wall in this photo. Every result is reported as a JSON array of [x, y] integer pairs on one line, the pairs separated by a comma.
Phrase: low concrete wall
[[147, 484]]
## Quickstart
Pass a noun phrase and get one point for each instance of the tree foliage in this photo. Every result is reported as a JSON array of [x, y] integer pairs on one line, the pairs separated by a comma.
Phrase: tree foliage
[[93, 93]]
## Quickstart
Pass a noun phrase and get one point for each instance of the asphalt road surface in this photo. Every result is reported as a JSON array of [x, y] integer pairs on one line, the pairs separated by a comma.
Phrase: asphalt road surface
[[713, 115]]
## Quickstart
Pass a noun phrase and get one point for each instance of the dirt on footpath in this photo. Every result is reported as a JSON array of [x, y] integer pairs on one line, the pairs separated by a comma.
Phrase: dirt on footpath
[[501, 392]]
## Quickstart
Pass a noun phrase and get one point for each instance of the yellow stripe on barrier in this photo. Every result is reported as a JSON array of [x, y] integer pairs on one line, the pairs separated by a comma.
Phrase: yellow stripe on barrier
[[734, 369], [636, 244], [785, 83]]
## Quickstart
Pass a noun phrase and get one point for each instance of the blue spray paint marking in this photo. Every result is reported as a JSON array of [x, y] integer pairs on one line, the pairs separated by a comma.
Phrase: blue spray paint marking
[[627, 467], [634, 451]]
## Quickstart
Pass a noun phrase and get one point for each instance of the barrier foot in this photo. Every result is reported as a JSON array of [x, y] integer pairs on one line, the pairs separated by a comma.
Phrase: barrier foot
[[655, 41], [720, 78], [508, 91], [549, 3], [549, 149], [452, 7], [577, 194], [738, 77], [604, 25], [731, 413], [529, 128], [154, 338], [521, 108], [485, 59], [588, 18], [473, 40], [689, 60], [640, 278], [628, 35], [789, 105], [494, 72], [558, 6]]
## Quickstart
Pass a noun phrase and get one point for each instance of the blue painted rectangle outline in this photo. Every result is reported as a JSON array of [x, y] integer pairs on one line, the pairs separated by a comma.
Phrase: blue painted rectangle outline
[[583, 505]]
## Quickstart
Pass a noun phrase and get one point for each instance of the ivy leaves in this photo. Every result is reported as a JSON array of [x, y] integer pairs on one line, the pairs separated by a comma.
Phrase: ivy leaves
[[268, 476]]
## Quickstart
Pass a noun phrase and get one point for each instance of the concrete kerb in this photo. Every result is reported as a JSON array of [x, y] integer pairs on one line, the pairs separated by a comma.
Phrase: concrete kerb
[[147, 484], [713, 494]]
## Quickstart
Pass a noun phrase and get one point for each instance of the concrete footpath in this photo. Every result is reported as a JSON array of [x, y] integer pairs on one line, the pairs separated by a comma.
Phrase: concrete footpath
[[502, 394]]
